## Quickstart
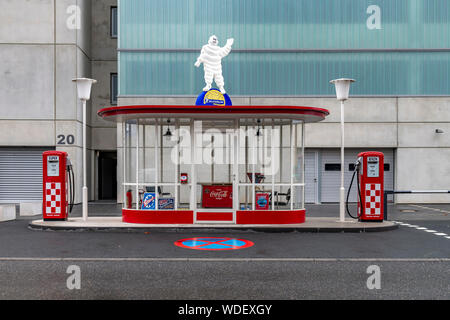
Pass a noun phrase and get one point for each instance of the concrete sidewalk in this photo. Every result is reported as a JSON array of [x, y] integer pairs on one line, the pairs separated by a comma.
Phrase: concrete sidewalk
[[312, 224]]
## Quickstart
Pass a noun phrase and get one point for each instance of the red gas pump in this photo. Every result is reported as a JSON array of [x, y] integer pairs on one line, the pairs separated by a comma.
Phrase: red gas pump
[[58, 179], [370, 170]]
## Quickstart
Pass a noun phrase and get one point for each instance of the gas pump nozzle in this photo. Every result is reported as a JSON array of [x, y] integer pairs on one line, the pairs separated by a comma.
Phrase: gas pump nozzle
[[358, 163]]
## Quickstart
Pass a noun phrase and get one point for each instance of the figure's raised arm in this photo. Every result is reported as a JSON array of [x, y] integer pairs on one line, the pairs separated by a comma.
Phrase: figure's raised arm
[[224, 51]]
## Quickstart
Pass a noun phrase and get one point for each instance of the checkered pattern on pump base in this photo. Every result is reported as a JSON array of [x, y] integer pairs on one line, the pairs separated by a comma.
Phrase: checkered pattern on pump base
[[53, 203], [371, 197]]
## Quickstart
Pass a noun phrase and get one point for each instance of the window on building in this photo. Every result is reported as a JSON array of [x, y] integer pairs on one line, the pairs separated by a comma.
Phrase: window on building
[[332, 167], [114, 22], [114, 88]]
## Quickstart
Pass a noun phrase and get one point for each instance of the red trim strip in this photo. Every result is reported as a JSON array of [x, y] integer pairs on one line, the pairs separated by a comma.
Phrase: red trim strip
[[158, 216], [270, 217], [215, 216], [198, 110]]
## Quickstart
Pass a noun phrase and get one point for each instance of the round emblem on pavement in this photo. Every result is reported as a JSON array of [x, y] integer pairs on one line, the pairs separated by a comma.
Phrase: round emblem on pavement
[[213, 243]]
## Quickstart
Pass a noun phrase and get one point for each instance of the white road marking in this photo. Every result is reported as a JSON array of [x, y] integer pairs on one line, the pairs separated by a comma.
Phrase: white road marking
[[422, 228], [187, 259]]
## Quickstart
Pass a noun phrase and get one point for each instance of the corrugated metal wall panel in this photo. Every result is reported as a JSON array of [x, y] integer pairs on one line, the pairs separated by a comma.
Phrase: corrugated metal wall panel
[[268, 24], [20, 175], [171, 25]]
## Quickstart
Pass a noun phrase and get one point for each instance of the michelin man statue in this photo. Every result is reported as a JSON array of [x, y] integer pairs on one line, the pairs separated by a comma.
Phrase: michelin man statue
[[211, 57]]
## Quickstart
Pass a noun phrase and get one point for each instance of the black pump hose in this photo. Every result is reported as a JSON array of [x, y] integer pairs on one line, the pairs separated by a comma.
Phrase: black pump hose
[[72, 189], [359, 196]]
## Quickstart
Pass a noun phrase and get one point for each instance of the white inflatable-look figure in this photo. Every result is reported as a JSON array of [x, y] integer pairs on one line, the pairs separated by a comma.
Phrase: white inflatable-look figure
[[211, 57]]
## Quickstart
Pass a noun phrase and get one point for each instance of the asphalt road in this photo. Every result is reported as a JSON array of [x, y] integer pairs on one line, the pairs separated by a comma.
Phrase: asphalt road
[[414, 262]]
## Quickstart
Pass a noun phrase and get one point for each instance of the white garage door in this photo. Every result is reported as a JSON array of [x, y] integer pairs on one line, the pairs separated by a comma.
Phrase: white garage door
[[331, 174], [20, 175], [311, 176]]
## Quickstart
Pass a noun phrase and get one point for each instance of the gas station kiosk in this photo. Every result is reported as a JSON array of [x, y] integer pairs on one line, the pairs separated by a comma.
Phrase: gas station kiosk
[[222, 164]]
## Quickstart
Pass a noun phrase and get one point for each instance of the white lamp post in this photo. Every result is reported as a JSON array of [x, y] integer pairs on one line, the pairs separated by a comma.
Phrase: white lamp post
[[342, 91], [84, 86]]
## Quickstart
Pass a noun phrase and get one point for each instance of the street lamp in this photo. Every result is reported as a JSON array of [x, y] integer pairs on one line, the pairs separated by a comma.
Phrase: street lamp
[[342, 90], [84, 86]]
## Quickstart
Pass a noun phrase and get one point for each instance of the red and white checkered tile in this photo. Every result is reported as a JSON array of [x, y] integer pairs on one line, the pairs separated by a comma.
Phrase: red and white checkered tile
[[53, 198], [373, 199]]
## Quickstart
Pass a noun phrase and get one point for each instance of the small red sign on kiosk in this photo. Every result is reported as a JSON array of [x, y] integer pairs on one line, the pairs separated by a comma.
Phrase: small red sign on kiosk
[[262, 201], [217, 196]]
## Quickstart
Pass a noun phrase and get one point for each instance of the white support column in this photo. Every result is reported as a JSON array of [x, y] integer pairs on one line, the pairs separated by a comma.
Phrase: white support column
[[177, 163], [156, 163], [254, 161], [137, 164], [272, 155], [193, 195], [235, 142], [303, 165], [144, 178], [292, 162], [124, 191]]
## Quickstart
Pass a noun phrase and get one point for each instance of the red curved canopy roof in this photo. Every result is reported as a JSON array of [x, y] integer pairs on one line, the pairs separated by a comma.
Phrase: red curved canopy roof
[[298, 113]]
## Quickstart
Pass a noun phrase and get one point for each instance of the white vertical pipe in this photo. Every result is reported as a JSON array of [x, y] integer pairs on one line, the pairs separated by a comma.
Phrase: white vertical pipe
[[303, 165], [177, 159], [85, 189], [124, 191], [144, 178], [193, 199], [156, 164], [235, 142], [342, 189], [272, 155], [292, 162], [253, 167], [137, 164]]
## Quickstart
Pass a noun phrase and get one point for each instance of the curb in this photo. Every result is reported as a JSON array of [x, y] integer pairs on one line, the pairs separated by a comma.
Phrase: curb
[[263, 229]]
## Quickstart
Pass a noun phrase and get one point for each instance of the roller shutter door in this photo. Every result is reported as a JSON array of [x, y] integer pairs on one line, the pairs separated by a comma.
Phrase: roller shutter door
[[20, 175], [331, 174]]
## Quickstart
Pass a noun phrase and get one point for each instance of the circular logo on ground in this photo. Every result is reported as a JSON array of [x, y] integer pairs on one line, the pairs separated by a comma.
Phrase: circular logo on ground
[[213, 243]]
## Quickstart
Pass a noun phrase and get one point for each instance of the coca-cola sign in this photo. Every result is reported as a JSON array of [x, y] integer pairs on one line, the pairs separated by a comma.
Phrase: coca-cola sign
[[219, 194]]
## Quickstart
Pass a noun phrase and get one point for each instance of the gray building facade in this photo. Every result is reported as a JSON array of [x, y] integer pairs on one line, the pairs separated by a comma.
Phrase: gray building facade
[[44, 44]]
